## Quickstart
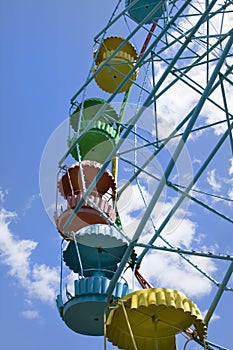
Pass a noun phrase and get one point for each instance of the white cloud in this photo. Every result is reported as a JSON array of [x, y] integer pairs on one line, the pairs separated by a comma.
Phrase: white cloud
[[196, 161], [14, 253], [3, 193], [29, 202], [213, 181], [171, 271], [231, 166], [179, 230], [215, 317], [131, 206], [230, 193], [39, 281], [44, 282], [171, 105], [166, 269], [30, 314]]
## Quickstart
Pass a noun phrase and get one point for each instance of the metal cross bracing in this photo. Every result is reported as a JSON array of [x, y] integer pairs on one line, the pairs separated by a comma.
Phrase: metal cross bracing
[[188, 57]]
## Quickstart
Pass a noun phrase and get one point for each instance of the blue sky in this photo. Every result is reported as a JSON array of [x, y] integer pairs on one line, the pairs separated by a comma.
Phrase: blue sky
[[46, 56], [46, 50]]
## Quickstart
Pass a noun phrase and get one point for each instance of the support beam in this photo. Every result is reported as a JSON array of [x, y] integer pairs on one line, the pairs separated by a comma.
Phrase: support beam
[[219, 294]]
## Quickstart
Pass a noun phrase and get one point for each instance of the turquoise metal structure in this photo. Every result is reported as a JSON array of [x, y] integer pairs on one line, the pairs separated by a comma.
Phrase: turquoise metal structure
[[141, 9], [189, 50]]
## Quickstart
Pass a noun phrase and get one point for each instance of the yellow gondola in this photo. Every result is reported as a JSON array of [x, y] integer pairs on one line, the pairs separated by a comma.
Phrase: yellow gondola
[[122, 62], [150, 319]]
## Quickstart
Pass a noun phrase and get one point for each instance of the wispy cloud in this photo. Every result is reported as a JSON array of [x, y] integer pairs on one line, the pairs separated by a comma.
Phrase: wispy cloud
[[231, 166], [30, 202], [213, 181], [30, 314], [215, 317], [39, 281], [3, 194]]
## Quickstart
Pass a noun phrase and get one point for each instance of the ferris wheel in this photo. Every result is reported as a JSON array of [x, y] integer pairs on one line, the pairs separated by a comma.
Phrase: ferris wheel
[[144, 190]]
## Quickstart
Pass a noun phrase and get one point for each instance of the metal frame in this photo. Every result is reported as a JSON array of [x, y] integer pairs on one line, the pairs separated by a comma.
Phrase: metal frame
[[176, 67]]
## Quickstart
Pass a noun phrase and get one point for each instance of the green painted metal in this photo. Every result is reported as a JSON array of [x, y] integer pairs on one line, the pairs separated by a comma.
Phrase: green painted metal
[[96, 144], [100, 139], [87, 110]]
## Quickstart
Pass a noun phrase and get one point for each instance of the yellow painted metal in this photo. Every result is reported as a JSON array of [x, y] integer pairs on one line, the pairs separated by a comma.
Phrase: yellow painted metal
[[113, 73], [110, 44], [115, 168], [155, 315]]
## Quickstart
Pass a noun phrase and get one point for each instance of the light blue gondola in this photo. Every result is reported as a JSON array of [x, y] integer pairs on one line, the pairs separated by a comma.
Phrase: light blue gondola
[[84, 312], [142, 9]]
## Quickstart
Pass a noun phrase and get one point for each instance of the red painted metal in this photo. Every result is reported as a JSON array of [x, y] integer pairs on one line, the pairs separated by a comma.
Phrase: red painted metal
[[143, 282], [87, 214], [71, 182], [147, 39]]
